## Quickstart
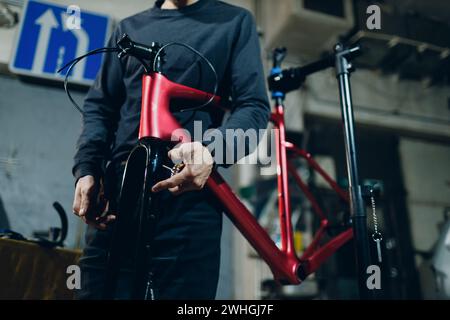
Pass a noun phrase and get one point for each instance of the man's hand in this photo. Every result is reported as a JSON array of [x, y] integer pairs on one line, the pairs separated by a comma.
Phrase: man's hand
[[90, 205], [198, 164]]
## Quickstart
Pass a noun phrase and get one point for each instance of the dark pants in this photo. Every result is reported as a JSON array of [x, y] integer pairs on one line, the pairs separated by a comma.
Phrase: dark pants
[[186, 250]]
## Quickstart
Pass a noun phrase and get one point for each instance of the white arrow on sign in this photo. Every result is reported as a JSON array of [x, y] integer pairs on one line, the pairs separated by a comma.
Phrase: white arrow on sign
[[47, 21], [82, 47]]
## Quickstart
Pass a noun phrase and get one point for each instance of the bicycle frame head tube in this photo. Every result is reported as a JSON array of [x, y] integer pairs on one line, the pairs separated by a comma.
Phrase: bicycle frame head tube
[[157, 121]]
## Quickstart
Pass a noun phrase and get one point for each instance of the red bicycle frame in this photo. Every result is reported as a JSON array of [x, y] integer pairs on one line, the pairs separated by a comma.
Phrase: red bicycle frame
[[157, 122]]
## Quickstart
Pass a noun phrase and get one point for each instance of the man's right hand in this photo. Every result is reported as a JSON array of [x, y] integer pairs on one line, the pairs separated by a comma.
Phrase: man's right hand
[[90, 205]]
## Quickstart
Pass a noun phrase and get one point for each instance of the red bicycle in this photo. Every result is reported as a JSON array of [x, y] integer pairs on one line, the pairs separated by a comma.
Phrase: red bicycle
[[145, 164]]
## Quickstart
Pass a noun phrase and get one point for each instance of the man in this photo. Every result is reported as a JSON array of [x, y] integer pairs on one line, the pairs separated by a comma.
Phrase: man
[[185, 263]]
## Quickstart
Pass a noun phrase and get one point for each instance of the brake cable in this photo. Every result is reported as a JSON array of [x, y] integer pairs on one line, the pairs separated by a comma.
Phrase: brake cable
[[216, 78], [71, 64]]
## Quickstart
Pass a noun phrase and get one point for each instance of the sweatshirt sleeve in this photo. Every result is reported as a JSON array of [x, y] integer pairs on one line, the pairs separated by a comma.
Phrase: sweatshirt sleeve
[[100, 115], [250, 106]]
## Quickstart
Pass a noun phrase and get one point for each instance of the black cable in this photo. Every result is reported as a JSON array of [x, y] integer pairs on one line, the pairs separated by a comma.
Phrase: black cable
[[73, 63], [70, 65], [216, 85]]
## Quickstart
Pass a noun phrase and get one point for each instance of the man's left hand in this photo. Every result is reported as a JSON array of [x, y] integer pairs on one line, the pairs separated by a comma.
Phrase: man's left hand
[[198, 164]]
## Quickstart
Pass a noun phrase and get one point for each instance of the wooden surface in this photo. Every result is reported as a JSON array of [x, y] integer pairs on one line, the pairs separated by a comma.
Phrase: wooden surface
[[29, 271]]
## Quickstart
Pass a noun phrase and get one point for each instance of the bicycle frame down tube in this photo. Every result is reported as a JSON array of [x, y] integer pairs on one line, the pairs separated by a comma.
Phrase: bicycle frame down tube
[[284, 266]]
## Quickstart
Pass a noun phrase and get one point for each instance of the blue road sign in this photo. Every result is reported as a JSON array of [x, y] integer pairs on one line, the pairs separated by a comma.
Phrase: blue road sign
[[51, 35]]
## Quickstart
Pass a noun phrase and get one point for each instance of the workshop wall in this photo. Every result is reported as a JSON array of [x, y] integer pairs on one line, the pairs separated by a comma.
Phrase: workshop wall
[[38, 134]]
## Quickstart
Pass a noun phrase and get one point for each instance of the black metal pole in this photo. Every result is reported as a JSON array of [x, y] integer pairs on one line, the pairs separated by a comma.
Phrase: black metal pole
[[357, 209]]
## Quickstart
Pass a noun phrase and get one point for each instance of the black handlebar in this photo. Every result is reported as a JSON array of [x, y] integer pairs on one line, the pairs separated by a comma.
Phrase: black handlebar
[[291, 79], [146, 54]]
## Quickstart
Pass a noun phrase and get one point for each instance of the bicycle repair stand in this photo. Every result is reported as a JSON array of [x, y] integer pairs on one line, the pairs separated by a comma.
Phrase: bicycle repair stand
[[284, 81]]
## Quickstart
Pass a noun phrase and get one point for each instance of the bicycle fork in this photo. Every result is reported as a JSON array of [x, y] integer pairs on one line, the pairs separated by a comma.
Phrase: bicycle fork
[[137, 202]]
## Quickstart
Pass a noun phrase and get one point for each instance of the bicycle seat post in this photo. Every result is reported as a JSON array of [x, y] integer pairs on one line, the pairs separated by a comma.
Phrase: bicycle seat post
[[344, 67]]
